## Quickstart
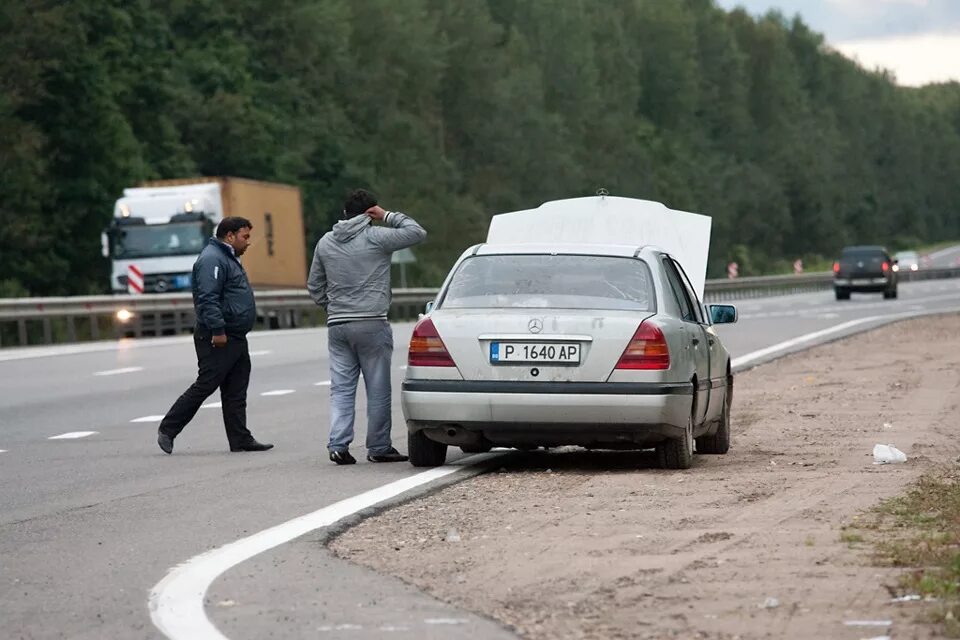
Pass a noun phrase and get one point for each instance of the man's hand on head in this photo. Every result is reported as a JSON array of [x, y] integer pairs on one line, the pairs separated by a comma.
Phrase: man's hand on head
[[376, 212]]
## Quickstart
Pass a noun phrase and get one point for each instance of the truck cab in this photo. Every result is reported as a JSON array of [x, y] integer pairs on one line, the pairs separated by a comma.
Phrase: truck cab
[[161, 231]]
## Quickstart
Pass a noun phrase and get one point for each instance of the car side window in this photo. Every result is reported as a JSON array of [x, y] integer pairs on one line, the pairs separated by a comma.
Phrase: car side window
[[698, 308], [686, 307]]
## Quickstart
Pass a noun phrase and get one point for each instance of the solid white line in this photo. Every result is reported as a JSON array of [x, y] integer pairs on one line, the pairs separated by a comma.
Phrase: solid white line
[[73, 435], [262, 352], [148, 419], [212, 405], [176, 602], [3, 450], [116, 372], [278, 392]]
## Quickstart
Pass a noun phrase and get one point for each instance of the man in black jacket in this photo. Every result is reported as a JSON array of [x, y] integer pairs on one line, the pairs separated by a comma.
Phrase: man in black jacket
[[226, 312]]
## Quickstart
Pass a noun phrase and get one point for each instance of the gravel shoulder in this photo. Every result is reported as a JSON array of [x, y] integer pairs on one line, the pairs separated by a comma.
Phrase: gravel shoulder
[[577, 544]]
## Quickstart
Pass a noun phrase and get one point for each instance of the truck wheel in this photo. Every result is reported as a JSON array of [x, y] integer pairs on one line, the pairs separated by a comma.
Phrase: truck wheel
[[719, 442], [677, 453], [423, 451]]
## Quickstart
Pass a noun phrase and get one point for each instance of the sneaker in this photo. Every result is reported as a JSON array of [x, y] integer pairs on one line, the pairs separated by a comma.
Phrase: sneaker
[[342, 457], [390, 456]]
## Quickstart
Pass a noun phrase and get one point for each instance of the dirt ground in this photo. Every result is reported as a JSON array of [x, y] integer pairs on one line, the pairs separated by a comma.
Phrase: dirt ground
[[578, 544]]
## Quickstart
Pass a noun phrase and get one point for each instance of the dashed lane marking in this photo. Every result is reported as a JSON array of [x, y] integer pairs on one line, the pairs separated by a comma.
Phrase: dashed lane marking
[[73, 435], [116, 372]]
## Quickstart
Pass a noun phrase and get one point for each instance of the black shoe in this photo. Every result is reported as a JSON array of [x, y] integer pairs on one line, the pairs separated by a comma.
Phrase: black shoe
[[390, 456], [253, 445], [342, 457], [165, 442]]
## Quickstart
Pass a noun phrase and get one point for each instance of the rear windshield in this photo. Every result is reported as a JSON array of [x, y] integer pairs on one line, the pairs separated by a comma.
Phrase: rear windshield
[[553, 281], [862, 254]]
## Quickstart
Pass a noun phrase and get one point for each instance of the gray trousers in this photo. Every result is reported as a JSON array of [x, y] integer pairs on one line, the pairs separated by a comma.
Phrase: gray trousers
[[360, 346]]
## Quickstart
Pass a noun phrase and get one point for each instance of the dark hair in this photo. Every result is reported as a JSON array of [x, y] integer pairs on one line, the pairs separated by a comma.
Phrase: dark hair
[[232, 224], [358, 202]]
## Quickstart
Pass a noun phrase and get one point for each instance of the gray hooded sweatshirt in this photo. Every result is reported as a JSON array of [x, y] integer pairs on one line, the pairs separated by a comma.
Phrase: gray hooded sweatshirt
[[350, 274]]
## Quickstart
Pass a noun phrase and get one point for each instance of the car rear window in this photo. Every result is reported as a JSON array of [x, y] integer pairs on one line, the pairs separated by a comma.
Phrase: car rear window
[[552, 281]]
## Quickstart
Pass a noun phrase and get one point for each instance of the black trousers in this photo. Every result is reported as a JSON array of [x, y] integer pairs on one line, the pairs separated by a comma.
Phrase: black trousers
[[226, 368]]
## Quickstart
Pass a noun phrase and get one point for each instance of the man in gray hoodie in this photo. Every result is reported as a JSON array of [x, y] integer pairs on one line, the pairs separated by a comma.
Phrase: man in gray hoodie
[[350, 278]]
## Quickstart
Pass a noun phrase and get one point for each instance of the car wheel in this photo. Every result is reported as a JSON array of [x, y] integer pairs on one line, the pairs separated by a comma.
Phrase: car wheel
[[423, 451], [719, 442], [842, 294], [890, 295], [677, 453]]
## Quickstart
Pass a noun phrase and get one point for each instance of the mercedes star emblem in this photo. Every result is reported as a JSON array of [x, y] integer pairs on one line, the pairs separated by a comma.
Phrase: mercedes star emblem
[[535, 325]]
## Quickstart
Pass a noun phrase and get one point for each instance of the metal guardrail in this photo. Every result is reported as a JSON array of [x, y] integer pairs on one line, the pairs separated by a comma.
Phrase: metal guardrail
[[26, 321]]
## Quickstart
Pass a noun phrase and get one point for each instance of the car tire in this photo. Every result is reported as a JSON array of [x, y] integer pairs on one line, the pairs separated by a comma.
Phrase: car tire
[[677, 453], [719, 442], [890, 295], [842, 294], [425, 452]]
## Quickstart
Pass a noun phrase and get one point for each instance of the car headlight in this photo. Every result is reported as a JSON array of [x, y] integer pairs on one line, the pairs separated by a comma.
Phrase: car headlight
[[124, 315]]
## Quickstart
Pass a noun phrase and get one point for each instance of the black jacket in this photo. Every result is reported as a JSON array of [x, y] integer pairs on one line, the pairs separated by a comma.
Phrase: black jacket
[[222, 295]]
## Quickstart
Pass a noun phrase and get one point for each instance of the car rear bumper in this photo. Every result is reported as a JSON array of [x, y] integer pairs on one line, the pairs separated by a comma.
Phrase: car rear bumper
[[551, 413], [862, 284]]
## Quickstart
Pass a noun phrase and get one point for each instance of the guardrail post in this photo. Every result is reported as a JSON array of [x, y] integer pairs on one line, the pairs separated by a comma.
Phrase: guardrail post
[[22, 331], [71, 329]]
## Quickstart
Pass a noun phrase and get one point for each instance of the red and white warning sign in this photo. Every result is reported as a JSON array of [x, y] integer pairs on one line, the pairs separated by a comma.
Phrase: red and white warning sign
[[134, 280], [798, 266], [733, 270]]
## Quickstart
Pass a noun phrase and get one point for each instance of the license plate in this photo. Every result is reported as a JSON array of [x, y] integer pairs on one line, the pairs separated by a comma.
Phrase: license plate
[[542, 352], [182, 282], [861, 281]]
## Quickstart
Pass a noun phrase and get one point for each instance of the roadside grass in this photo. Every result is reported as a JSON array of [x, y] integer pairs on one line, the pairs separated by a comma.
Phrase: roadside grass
[[920, 532]]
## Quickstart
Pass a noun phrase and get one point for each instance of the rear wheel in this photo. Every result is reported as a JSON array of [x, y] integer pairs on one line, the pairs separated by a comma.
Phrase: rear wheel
[[842, 294], [423, 451], [719, 442], [677, 453], [890, 294]]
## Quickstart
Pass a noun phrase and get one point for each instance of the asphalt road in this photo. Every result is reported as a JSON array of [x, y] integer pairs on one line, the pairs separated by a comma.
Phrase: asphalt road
[[89, 524]]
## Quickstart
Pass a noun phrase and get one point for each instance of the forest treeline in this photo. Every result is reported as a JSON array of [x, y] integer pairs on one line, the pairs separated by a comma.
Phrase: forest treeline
[[454, 111]]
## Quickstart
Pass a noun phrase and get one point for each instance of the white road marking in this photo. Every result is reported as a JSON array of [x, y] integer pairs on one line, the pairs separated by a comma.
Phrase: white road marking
[[73, 435], [446, 621], [278, 392], [262, 352], [148, 419], [322, 383], [212, 405], [116, 372], [3, 450], [176, 602]]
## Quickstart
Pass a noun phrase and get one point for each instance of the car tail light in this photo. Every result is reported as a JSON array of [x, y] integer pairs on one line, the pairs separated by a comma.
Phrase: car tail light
[[426, 347], [885, 266], [647, 350], [836, 267]]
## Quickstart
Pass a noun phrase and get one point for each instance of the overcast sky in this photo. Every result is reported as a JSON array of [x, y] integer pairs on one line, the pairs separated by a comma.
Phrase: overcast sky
[[919, 40]]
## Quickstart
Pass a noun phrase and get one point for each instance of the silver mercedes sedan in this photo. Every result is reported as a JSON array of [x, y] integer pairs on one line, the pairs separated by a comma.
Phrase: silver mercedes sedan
[[601, 346]]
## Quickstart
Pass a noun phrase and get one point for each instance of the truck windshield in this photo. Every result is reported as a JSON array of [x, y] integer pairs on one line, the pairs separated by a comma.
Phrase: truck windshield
[[155, 240]]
